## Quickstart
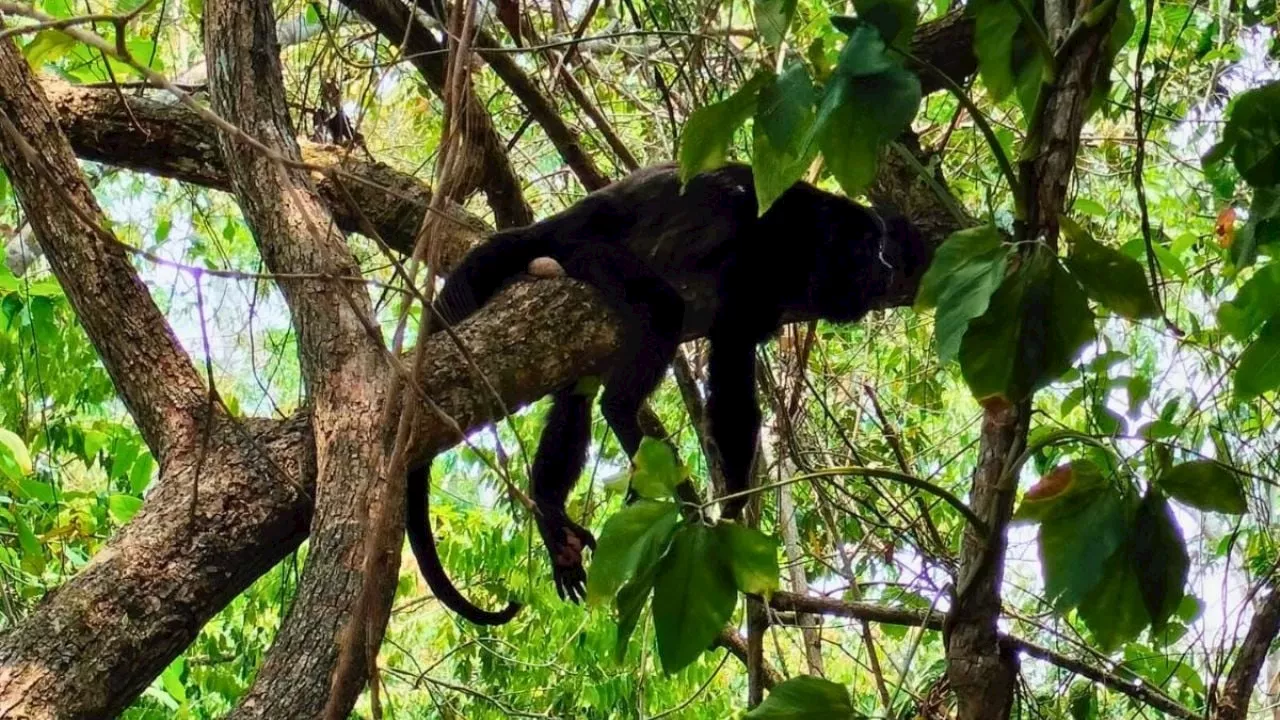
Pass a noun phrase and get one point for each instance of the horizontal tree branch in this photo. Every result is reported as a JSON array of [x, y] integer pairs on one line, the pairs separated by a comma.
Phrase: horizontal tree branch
[[791, 602]]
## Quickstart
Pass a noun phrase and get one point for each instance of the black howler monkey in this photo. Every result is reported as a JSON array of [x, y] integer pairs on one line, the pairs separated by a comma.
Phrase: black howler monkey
[[675, 262]]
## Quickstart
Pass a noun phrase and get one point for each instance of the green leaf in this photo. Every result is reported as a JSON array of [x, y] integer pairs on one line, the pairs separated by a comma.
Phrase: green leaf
[[630, 603], [1262, 228], [47, 46], [32, 551], [1082, 523], [41, 492], [1257, 301], [1160, 556], [753, 557], [1008, 59], [965, 271], [704, 144], [1107, 275], [1115, 610], [1089, 207], [633, 539], [784, 118], [1259, 368], [1253, 133], [140, 473], [693, 598], [17, 450], [1205, 485], [1035, 326], [1082, 701], [895, 19], [773, 18], [123, 507], [805, 697], [869, 100], [656, 470]]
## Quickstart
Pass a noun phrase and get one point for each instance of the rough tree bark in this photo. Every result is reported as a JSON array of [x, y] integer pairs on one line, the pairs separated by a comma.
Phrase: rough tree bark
[[1233, 702], [982, 672], [343, 364]]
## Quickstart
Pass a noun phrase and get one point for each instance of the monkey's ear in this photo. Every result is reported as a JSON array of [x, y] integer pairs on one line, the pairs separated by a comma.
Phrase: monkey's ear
[[916, 253]]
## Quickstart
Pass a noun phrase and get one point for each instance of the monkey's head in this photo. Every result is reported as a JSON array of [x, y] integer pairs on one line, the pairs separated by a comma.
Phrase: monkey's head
[[872, 264]]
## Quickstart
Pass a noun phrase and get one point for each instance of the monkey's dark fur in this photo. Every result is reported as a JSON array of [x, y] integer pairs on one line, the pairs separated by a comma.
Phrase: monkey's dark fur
[[675, 263]]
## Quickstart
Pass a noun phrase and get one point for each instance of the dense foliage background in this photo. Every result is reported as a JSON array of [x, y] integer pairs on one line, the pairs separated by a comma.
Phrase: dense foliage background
[[1145, 533]]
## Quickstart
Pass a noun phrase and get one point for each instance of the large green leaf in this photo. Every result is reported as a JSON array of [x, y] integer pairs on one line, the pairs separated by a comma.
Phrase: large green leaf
[[635, 537], [753, 556], [11, 444], [656, 470], [1115, 610], [1107, 275], [630, 603], [1259, 368], [784, 117], [1160, 557], [1060, 492], [773, 18], [895, 19], [1205, 485], [1008, 59], [1079, 530], [1263, 227], [1253, 133], [805, 697], [704, 144], [1257, 302], [1036, 324], [694, 596], [868, 100], [966, 269]]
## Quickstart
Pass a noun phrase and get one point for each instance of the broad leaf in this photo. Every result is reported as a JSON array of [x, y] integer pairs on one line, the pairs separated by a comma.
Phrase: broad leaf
[[704, 144], [1253, 134], [656, 470], [895, 19], [1078, 534], [123, 507], [11, 444], [1107, 275], [630, 603], [773, 18], [1008, 60], [1205, 485], [753, 557], [784, 117], [965, 271], [634, 538], [1259, 368], [805, 697], [1160, 555], [694, 596], [1061, 492], [1263, 227], [1035, 326], [1257, 302], [869, 100], [1115, 610]]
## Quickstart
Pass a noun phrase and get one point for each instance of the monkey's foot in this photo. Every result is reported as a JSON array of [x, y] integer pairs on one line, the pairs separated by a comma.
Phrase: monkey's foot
[[566, 541]]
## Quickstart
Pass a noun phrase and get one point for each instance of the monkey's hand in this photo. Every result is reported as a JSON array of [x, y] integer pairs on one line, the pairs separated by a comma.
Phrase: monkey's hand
[[566, 541]]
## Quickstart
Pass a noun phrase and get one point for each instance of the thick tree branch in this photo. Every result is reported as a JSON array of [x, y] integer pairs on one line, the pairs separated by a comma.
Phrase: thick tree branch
[[1233, 704], [151, 134], [871, 612], [152, 373], [394, 21], [340, 596]]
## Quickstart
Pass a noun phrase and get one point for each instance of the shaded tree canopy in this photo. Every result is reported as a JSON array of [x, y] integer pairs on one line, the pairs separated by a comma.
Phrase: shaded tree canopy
[[1037, 485]]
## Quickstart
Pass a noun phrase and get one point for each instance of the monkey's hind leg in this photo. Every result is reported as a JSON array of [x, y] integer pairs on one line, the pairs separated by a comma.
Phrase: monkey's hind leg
[[561, 455]]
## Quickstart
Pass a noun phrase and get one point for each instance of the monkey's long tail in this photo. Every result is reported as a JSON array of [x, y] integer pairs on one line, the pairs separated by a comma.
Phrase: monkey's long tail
[[423, 542], [487, 269]]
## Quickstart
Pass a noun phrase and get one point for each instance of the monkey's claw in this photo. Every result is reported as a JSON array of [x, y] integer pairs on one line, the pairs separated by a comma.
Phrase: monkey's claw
[[565, 541]]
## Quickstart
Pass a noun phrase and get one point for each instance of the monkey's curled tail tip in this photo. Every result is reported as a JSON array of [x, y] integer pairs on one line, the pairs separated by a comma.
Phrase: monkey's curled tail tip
[[423, 542]]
